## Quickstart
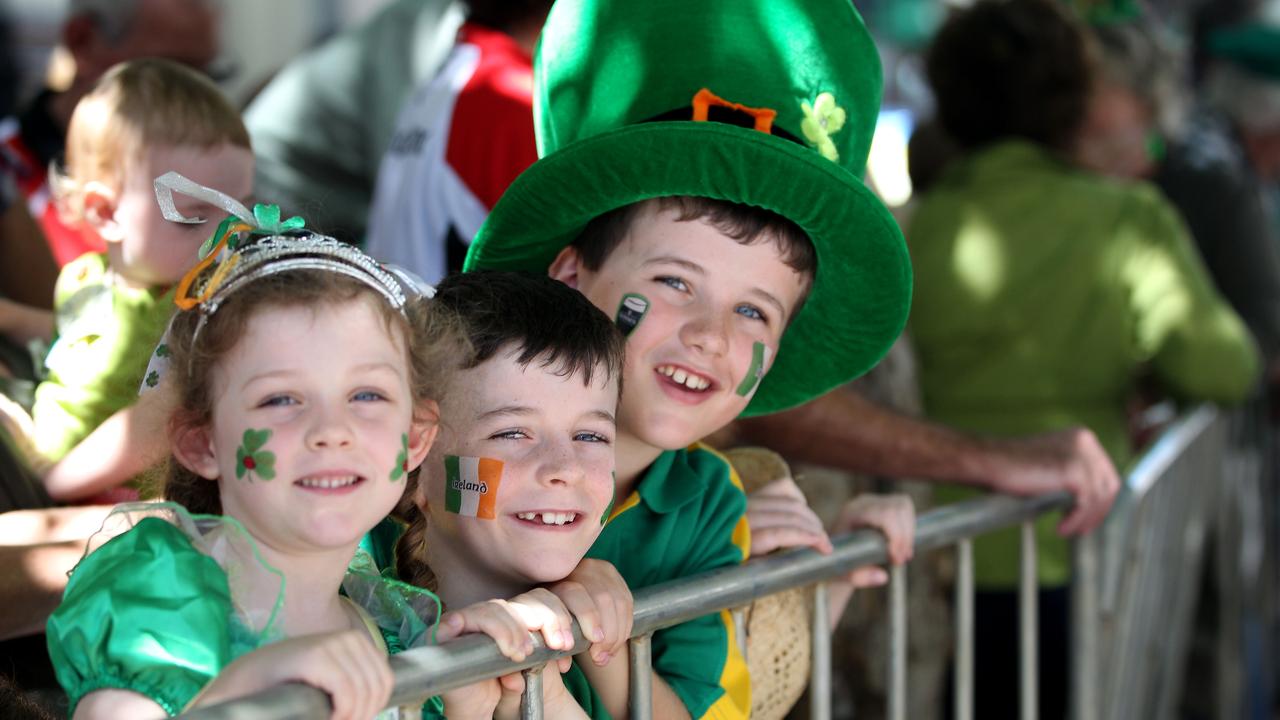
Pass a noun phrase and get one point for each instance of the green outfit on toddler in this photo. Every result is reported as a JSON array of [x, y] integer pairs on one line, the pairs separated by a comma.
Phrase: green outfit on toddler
[[106, 333]]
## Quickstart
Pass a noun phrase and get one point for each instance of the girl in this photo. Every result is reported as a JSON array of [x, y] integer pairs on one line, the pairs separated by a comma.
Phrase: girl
[[302, 414]]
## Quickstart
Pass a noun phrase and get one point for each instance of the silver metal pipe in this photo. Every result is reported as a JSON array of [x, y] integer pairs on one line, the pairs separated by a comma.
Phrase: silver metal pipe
[[898, 642], [641, 677], [820, 670], [531, 700], [1084, 628], [1027, 587], [963, 680]]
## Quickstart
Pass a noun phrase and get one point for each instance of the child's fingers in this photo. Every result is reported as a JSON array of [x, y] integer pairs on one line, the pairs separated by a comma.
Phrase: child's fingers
[[539, 609], [498, 620], [870, 576], [450, 626], [782, 487], [563, 664], [774, 514], [766, 540], [368, 675], [584, 607]]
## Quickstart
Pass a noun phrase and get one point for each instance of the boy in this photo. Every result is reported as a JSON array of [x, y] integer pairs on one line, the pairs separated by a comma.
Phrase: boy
[[142, 119], [517, 484], [687, 164]]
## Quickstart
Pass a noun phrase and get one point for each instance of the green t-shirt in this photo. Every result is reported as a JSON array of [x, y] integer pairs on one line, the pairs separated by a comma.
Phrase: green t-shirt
[[1041, 293], [687, 516], [105, 336]]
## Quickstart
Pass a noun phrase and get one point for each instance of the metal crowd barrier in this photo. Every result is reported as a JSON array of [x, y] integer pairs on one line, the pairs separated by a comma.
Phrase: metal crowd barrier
[[1116, 619]]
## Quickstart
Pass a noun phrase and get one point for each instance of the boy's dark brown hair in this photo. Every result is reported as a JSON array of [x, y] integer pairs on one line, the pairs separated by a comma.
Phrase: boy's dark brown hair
[[1016, 68], [746, 224], [545, 322], [192, 363]]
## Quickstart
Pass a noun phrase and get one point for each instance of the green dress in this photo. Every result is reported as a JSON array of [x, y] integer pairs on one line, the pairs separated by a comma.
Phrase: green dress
[[168, 601]]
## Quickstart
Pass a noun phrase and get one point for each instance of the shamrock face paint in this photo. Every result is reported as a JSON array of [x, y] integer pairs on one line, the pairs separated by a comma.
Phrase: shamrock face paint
[[252, 459], [471, 486], [402, 460], [630, 312], [760, 354], [609, 510]]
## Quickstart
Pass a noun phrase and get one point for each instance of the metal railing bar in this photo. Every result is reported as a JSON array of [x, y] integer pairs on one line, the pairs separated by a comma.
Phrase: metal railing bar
[[641, 677], [1167, 448], [898, 643], [531, 699], [1028, 628], [963, 680], [427, 671], [820, 669]]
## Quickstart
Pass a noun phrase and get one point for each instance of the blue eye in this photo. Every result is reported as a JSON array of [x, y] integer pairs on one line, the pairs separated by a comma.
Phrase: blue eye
[[750, 311], [672, 282], [368, 396], [509, 435], [278, 401], [593, 437]]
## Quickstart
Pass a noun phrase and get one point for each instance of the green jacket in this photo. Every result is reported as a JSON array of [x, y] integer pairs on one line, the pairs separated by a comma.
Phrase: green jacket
[[1042, 294]]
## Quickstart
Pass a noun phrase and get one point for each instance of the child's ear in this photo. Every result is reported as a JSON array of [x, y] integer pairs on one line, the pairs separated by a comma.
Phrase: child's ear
[[422, 431], [193, 449], [566, 266], [100, 211]]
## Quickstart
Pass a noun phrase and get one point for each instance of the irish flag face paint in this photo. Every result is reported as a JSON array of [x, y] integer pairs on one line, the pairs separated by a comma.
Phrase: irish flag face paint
[[760, 354], [471, 486]]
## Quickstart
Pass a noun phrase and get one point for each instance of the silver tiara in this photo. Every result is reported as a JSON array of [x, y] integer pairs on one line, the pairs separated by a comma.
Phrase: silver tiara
[[248, 246]]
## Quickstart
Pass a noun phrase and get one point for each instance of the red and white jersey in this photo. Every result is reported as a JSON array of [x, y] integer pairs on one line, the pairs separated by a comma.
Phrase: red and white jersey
[[462, 138], [31, 177]]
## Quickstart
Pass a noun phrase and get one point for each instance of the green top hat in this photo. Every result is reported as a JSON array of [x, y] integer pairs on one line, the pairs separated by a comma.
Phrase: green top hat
[[1254, 46], [769, 103]]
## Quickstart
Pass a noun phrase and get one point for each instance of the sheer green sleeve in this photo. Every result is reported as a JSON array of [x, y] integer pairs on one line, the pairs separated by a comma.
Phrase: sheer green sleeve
[[146, 612]]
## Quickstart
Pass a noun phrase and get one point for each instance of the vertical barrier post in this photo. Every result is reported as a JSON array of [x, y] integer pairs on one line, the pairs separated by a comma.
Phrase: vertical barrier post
[[1085, 616], [1028, 626], [739, 616], [820, 678], [531, 700], [963, 680], [897, 642], [641, 678]]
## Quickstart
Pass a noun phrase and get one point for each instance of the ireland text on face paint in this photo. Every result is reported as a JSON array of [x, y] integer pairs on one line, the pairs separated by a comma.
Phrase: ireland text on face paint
[[471, 486]]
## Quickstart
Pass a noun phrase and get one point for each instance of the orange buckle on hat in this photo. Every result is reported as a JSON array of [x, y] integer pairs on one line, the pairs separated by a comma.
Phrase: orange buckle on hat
[[705, 99]]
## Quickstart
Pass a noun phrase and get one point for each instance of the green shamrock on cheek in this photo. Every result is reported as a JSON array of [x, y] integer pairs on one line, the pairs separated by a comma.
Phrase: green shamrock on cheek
[[252, 460], [402, 460]]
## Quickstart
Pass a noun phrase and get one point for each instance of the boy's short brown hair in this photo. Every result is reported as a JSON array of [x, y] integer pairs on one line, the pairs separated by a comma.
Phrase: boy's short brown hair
[[746, 224], [136, 105]]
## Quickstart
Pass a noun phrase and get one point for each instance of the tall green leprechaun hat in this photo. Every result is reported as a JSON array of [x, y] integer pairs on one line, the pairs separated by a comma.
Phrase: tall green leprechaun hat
[[769, 103]]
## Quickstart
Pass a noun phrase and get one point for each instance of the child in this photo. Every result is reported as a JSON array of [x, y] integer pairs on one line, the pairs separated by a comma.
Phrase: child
[[517, 485], [300, 412], [143, 118], [701, 181]]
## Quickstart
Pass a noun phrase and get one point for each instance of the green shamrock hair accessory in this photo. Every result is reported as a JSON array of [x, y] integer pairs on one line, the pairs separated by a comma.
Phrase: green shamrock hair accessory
[[252, 460]]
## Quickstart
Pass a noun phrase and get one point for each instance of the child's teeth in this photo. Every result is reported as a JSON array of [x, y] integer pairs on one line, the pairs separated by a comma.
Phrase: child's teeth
[[679, 376]]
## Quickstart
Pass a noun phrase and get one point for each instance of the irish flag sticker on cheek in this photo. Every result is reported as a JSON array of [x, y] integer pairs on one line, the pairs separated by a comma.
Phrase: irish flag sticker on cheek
[[471, 486]]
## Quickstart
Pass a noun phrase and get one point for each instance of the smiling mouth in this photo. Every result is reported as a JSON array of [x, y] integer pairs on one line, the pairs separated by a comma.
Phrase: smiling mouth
[[685, 378], [549, 518], [329, 482]]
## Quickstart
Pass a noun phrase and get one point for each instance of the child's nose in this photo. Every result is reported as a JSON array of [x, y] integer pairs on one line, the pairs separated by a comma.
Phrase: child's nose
[[329, 429], [559, 466], [706, 331]]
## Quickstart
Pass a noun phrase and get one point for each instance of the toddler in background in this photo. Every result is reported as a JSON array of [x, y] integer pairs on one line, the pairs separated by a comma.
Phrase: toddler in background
[[143, 118]]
